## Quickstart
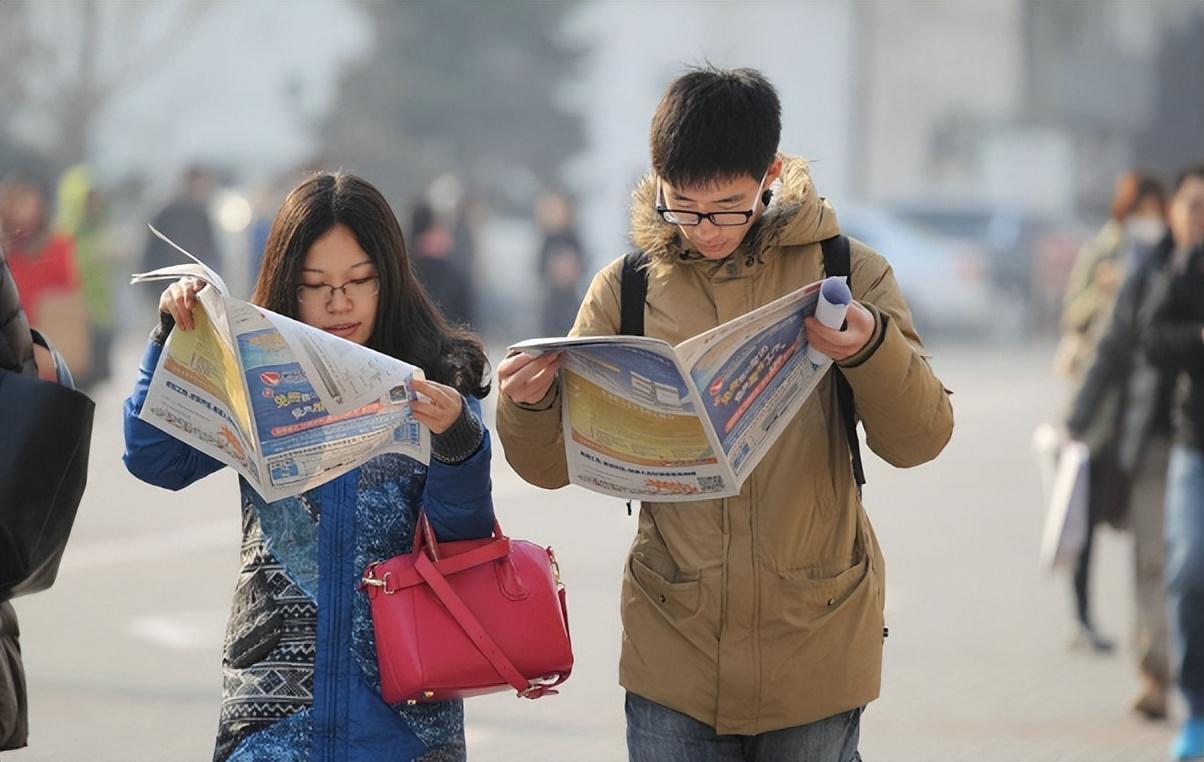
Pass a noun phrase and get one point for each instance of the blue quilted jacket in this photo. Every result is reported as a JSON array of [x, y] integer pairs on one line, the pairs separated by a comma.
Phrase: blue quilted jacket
[[300, 675]]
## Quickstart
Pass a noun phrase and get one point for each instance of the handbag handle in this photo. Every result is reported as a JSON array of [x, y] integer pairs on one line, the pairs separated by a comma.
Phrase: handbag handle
[[531, 689], [424, 536]]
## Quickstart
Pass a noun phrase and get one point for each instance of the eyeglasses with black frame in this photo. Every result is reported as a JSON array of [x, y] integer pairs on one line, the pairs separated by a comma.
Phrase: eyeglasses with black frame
[[323, 293], [719, 219]]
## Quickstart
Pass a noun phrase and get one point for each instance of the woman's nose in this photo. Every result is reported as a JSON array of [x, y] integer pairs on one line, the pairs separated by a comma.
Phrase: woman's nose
[[339, 301]]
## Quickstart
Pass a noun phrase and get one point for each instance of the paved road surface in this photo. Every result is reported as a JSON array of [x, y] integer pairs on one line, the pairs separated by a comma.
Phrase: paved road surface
[[123, 653]]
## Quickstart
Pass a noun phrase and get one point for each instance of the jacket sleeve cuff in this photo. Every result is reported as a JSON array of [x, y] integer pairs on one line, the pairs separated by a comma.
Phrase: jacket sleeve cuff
[[886, 358], [549, 399], [162, 328], [463, 438], [871, 346]]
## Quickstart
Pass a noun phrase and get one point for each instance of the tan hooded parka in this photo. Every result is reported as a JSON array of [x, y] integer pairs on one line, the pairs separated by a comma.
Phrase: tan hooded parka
[[765, 610]]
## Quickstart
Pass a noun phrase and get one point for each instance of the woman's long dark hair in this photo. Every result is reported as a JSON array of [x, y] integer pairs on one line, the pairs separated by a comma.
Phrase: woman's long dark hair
[[408, 324]]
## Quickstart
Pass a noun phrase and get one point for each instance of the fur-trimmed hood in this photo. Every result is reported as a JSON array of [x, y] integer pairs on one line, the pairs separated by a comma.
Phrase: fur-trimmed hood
[[796, 216]]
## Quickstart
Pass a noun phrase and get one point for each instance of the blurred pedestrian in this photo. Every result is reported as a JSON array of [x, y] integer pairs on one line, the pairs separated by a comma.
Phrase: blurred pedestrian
[[433, 247], [185, 219], [561, 264], [752, 625], [43, 265], [1130, 398], [1136, 223], [466, 224], [1175, 341], [83, 216], [301, 675], [265, 200]]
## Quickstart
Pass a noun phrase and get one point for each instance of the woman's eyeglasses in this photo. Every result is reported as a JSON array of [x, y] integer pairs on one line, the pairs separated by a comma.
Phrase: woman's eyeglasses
[[323, 293]]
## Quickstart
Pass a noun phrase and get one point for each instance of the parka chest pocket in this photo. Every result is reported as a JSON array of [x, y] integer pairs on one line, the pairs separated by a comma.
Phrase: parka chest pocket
[[677, 599]]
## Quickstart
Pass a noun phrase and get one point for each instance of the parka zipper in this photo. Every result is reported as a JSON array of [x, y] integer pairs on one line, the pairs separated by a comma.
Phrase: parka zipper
[[756, 592]]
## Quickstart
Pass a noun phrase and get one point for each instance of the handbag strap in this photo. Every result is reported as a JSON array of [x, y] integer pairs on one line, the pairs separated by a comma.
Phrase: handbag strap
[[395, 579], [481, 639]]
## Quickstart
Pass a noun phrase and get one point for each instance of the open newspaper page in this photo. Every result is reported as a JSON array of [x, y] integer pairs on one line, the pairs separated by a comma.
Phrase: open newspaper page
[[346, 375], [196, 269], [238, 388], [754, 375], [307, 437], [632, 425], [196, 393]]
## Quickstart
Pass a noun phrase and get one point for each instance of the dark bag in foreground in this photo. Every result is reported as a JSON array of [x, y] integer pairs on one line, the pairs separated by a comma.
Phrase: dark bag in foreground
[[43, 470], [460, 619]]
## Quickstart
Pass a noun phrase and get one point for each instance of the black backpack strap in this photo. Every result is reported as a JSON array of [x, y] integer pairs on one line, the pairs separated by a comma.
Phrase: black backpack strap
[[633, 289], [838, 261], [633, 292]]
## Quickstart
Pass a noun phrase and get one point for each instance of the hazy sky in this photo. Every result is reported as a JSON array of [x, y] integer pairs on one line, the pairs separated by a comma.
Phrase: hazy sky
[[223, 95]]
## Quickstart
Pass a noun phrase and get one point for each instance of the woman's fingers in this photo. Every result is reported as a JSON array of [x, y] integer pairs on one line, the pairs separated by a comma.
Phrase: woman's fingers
[[440, 394], [168, 303], [178, 300], [183, 305], [431, 388], [441, 407]]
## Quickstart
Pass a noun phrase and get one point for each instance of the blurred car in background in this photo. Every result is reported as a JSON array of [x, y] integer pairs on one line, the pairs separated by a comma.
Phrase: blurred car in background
[[944, 278], [1029, 255]]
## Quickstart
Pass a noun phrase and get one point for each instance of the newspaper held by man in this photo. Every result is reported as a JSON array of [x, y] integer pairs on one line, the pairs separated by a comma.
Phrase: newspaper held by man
[[286, 405], [645, 420]]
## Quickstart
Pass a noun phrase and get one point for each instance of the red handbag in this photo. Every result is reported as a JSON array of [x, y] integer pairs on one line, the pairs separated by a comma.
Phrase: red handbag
[[459, 619]]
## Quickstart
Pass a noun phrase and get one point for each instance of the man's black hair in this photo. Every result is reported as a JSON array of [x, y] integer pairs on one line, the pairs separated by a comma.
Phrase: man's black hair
[[1196, 171], [715, 124]]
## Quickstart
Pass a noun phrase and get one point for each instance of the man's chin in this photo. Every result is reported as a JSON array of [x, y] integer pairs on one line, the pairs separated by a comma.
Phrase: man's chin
[[720, 252]]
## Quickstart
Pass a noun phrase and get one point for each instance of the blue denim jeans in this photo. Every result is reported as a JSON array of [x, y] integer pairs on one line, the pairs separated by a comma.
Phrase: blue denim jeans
[[656, 733], [1185, 571]]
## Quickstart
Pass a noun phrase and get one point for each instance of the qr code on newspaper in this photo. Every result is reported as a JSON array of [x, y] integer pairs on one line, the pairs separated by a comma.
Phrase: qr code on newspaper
[[710, 483]]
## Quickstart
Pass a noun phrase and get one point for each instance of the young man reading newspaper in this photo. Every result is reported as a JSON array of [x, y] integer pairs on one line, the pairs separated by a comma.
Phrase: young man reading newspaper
[[753, 625]]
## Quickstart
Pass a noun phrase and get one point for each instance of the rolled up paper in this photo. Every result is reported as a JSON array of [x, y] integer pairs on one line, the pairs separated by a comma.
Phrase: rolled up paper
[[834, 300]]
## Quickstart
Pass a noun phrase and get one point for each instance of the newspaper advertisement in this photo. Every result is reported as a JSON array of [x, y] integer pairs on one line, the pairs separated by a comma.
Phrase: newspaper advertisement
[[286, 405], [645, 420]]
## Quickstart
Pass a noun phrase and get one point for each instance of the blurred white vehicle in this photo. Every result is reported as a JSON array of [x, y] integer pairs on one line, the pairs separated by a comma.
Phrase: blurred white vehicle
[[946, 280]]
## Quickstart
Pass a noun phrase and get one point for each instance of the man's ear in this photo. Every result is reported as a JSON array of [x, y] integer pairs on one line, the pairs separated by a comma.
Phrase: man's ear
[[771, 175], [775, 170]]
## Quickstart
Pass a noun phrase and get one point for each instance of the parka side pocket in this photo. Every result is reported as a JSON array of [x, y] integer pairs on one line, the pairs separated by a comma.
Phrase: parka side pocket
[[677, 599], [256, 624]]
